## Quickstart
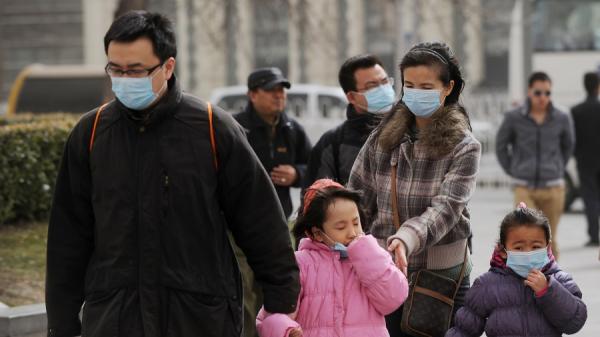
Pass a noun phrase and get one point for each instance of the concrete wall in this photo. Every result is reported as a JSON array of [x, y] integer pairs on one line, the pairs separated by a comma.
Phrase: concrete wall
[[23, 321]]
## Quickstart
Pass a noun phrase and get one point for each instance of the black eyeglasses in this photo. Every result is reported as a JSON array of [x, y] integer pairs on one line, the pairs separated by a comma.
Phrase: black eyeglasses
[[540, 93], [111, 70]]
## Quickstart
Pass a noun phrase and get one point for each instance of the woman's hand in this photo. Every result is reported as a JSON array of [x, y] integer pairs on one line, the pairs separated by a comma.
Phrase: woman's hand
[[399, 249], [296, 332]]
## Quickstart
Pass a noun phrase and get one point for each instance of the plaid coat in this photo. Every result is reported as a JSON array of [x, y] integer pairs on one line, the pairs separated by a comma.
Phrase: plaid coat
[[435, 180]]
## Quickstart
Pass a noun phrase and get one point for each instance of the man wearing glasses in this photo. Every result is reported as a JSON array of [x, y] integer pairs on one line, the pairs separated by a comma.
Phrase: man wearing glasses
[[533, 145], [148, 187], [370, 92]]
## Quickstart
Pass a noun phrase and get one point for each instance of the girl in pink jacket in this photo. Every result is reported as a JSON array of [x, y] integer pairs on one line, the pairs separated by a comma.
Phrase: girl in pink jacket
[[348, 282]]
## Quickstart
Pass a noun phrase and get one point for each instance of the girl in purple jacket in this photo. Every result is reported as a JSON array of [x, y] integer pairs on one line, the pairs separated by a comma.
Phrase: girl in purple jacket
[[524, 293], [348, 282]]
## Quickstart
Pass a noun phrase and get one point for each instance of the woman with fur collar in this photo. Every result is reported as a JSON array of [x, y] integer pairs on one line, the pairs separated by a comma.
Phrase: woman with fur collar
[[427, 140]]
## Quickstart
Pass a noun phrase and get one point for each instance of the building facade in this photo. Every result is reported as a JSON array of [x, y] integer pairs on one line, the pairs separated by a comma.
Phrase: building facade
[[221, 41]]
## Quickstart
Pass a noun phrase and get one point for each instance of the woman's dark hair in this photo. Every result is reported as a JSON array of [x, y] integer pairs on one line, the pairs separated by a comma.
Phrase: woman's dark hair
[[524, 216], [136, 24], [346, 74], [436, 55], [590, 82], [316, 213]]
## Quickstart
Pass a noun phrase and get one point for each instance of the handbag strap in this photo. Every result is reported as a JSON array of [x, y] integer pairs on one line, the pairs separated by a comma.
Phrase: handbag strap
[[394, 196]]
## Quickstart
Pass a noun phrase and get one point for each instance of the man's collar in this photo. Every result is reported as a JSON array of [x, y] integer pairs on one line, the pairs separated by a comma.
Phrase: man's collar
[[526, 109]]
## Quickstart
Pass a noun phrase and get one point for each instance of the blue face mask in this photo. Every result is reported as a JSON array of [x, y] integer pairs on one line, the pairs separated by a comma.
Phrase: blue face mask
[[338, 247], [523, 262], [380, 99], [134, 93], [422, 103]]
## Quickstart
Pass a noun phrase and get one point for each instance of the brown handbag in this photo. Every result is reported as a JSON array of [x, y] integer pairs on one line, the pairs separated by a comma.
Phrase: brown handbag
[[428, 309]]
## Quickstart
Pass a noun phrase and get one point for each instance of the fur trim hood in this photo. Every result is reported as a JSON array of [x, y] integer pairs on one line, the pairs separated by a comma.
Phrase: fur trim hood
[[447, 128]]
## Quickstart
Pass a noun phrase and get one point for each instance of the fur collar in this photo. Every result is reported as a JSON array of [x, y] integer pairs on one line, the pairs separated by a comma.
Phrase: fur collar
[[447, 128]]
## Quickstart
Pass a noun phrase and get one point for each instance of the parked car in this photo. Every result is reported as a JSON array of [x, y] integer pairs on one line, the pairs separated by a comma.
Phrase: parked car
[[317, 108], [57, 88]]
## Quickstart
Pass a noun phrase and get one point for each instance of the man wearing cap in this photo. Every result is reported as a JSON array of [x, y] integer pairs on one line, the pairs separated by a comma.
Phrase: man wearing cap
[[283, 149], [279, 141]]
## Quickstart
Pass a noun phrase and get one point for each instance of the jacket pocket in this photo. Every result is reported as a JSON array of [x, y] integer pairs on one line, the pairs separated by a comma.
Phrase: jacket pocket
[[197, 314], [101, 312]]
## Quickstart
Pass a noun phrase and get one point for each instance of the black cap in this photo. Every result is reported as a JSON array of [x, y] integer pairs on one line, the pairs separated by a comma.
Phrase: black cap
[[267, 78]]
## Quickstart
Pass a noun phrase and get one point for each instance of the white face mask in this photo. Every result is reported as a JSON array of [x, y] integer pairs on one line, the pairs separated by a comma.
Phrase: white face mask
[[380, 99], [422, 103], [135, 93]]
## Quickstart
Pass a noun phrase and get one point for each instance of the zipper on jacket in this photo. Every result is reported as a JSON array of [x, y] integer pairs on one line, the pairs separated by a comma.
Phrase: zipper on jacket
[[272, 134], [538, 155], [166, 180], [139, 202], [165, 194], [526, 327]]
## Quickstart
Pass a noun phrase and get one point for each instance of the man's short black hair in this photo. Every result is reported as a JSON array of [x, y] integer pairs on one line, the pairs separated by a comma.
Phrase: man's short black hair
[[346, 75], [590, 82], [136, 24], [538, 76]]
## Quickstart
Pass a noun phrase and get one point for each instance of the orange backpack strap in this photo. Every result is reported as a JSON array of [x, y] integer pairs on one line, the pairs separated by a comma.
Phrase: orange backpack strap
[[96, 125], [213, 143]]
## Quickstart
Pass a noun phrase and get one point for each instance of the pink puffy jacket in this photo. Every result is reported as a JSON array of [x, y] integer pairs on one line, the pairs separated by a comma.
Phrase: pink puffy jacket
[[341, 298]]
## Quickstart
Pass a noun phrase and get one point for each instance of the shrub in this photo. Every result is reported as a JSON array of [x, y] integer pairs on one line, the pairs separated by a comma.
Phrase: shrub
[[30, 151]]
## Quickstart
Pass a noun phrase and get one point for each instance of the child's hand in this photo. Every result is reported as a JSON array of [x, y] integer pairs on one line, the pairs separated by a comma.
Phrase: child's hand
[[536, 280], [296, 332]]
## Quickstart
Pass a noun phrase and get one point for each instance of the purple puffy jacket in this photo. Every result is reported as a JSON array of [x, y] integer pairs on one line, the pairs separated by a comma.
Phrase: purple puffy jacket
[[500, 304]]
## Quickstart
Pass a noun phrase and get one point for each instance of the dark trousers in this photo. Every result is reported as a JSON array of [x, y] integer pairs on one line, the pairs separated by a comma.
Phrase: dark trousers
[[590, 192], [393, 320]]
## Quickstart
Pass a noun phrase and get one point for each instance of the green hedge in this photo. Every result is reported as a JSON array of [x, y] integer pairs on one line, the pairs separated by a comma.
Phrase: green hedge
[[30, 152]]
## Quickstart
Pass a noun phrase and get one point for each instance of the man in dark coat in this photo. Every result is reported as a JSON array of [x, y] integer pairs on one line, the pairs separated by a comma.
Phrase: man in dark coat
[[279, 141], [362, 78], [533, 145], [143, 203], [586, 117]]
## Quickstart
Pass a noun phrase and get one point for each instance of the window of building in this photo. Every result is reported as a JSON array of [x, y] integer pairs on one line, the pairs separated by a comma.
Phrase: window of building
[[572, 25], [331, 106], [297, 105]]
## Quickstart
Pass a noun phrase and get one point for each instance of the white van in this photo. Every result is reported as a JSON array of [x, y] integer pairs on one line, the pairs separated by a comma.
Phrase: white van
[[317, 108]]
